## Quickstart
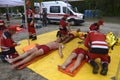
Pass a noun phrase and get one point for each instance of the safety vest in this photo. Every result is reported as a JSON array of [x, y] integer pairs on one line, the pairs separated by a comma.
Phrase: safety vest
[[3, 42], [97, 40]]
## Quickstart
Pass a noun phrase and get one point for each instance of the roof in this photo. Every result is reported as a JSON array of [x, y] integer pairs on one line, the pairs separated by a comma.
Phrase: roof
[[11, 3]]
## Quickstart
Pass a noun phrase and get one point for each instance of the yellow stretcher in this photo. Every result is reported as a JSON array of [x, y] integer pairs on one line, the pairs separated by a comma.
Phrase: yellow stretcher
[[47, 66]]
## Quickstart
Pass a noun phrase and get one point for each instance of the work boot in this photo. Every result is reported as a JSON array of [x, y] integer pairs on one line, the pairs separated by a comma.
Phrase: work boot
[[34, 38], [30, 37], [95, 67], [2, 57], [104, 69]]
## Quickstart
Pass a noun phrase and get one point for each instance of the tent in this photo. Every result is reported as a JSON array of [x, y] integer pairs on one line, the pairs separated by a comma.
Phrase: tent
[[11, 3]]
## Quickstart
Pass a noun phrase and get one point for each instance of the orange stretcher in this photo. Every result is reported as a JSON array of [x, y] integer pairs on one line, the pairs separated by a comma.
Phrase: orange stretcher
[[26, 48], [66, 71]]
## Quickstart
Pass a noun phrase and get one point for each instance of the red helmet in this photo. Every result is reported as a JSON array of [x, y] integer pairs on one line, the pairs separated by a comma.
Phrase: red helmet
[[100, 22], [27, 3], [1, 22]]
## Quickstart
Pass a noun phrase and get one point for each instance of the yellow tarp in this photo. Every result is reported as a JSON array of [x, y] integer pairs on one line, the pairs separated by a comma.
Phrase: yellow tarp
[[47, 66]]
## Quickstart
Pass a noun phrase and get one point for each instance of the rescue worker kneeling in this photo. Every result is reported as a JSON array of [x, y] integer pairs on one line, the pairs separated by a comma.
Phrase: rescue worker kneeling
[[8, 44], [98, 48]]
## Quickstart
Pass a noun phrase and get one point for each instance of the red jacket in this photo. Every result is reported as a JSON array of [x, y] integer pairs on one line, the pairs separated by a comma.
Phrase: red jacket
[[94, 26], [63, 23], [96, 40], [63, 26], [29, 13], [6, 41]]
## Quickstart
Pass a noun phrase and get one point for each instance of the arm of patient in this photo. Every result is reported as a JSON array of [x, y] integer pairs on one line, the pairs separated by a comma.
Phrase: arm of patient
[[60, 50]]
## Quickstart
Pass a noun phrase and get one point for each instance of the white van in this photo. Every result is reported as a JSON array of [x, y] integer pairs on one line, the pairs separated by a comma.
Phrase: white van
[[56, 10]]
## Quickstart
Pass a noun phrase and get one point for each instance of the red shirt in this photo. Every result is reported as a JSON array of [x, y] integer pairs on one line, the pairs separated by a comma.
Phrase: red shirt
[[6, 41], [63, 23], [29, 13], [95, 40], [94, 26]]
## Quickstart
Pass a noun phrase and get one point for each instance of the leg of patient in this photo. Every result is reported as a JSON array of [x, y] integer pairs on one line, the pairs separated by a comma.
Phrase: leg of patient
[[22, 56], [28, 58], [68, 61], [77, 62]]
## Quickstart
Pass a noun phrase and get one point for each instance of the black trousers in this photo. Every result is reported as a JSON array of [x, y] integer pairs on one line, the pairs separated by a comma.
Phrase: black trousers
[[99, 50]]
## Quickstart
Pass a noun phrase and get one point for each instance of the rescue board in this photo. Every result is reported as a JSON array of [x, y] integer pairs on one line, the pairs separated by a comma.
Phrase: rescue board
[[66, 71]]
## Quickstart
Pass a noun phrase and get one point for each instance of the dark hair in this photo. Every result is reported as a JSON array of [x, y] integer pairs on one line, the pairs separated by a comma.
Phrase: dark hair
[[58, 34]]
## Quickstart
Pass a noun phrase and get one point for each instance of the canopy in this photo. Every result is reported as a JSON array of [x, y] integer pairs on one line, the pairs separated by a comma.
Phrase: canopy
[[11, 3], [75, 0]]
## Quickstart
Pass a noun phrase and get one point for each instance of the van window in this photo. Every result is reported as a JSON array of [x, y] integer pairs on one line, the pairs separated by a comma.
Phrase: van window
[[66, 10], [37, 10], [55, 9]]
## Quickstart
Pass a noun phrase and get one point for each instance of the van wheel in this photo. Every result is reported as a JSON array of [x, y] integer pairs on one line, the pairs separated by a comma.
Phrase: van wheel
[[72, 22]]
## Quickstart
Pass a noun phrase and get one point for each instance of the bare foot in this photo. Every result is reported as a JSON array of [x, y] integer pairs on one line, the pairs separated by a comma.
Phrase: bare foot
[[71, 70], [14, 66], [62, 67]]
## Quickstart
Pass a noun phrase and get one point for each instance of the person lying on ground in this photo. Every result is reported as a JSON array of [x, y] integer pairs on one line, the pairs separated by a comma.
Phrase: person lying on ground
[[35, 52], [78, 54], [74, 34], [71, 35]]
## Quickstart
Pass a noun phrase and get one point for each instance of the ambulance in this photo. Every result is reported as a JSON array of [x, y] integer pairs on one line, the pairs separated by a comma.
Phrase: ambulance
[[56, 10]]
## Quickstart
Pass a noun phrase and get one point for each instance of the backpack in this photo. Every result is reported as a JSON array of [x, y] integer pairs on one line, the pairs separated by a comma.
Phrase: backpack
[[111, 39]]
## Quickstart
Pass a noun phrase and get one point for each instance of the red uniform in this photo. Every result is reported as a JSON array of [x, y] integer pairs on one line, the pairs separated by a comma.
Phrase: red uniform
[[74, 34], [97, 45], [6, 41], [7, 45], [31, 28], [45, 48], [94, 26], [63, 28], [79, 51]]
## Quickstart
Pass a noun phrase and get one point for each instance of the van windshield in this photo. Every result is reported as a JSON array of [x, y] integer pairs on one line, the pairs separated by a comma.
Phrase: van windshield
[[74, 9], [66, 10]]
